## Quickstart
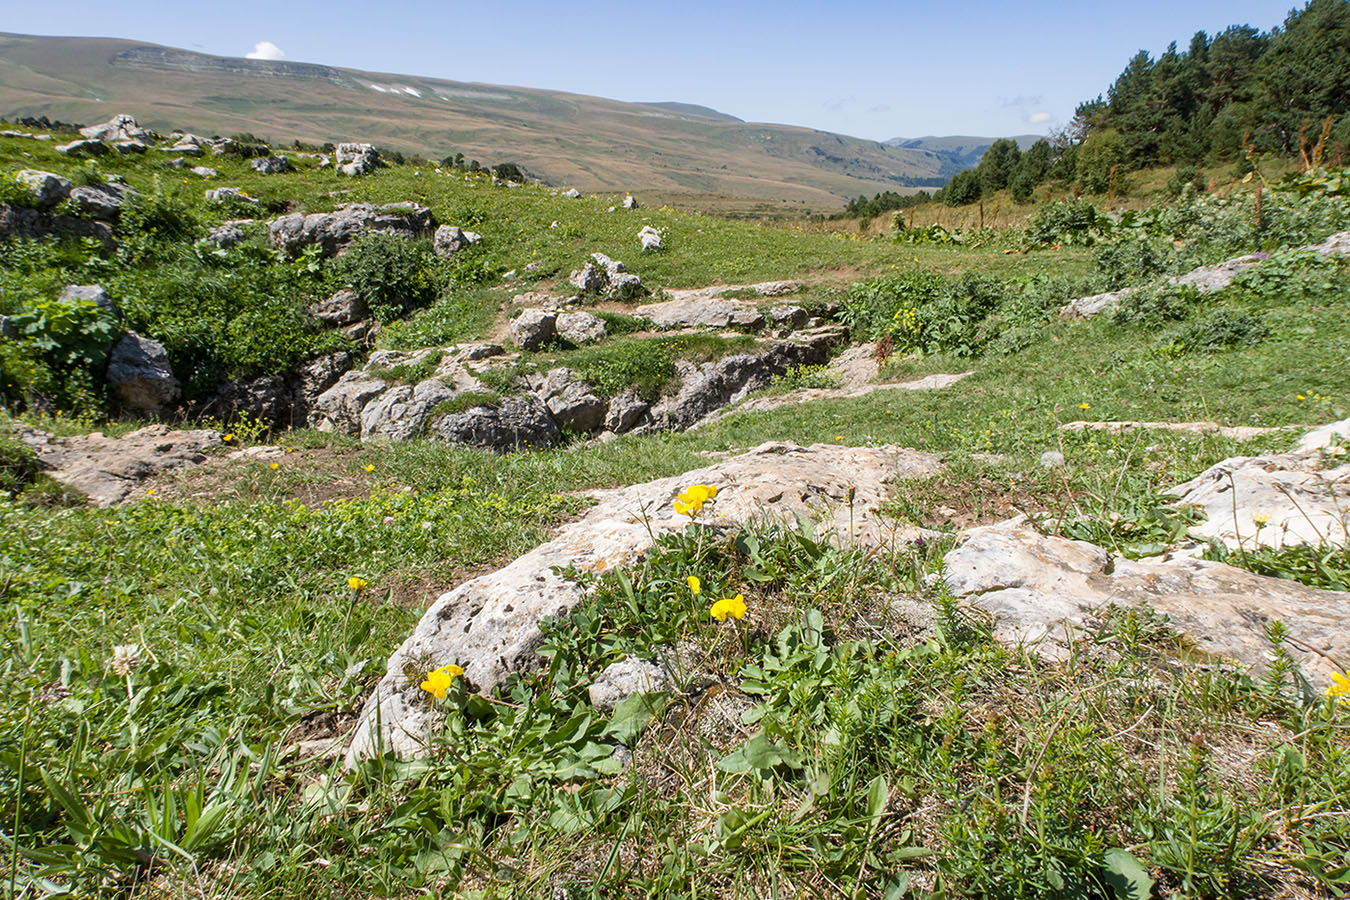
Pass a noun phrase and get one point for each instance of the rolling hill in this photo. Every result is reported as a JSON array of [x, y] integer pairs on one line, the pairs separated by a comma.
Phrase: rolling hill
[[676, 152]]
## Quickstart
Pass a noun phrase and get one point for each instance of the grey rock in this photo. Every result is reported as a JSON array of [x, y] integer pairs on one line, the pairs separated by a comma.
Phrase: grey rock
[[228, 234], [271, 165], [519, 423], [357, 159], [333, 231], [1218, 276], [102, 201], [621, 680], [490, 625], [224, 194], [360, 332], [571, 193], [626, 410], [265, 399], [208, 172], [625, 287], [576, 408], [339, 407], [705, 313], [630, 202], [533, 328], [118, 128], [28, 222], [313, 378], [7, 329], [130, 147], [588, 279], [82, 148], [138, 370], [343, 308], [48, 188], [1086, 307], [92, 293], [177, 162], [401, 412], [650, 238], [580, 327], [789, 316], [1336, 245], [185, 149], [448, 240]]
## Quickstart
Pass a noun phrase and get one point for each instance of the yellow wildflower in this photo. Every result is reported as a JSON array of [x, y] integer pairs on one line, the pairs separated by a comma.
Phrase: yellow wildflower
[[1085, 406], [728, 606], [1260, 519], [695, 586], [227, 438], [368, 467], [357, 583], [274, 466], [1301, 397], [691, 499], [439, 680], [1340, 685]]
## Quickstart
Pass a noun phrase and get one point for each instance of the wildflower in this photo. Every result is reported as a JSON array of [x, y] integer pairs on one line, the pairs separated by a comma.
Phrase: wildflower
[[274, 466], [1260, 519], [839, 437], [368, 467], [1085, 406], [126, 659], [389, 520], [695, 586], [426, 526], [728, 606], [229, 438], [438, 681], [691, 500], [1340, 685], [357, 583], [150, 492], [1301, 397]]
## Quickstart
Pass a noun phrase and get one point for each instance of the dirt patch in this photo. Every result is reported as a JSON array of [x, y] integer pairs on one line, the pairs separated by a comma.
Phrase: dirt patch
[[956, 501], [312, 476]]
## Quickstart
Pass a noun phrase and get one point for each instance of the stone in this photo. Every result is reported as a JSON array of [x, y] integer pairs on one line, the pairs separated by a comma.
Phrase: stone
[[271, 165], [533, 328], [177, 162], [332, 231], [1040, 591], [29, 222], [580, 327], [1218, 276], [118, 128], [490, 624], [1336, 245], [48, 188], [312, 379], [576, 408], [626, 411], [228, 234], [571, 193], [228, 194], [185, 149], [401, 412], [1232, 432], [701, 313], [1277, 500], [102, 201], [763, 289], [588, 279], [130, 147], [650, 238], [206, 172], [786, 315], [448, 240], [82, 148], [91, 293], [266, 399], [110, 470], [630, 202], [357, 159], [138, 370], [1326, 436], [621, 680], [343, 308], [339, 407], [519, 423], [1086, 307]]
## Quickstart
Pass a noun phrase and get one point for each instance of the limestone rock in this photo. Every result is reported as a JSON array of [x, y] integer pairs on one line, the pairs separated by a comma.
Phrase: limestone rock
[[1220, 275], [271, 165], [533, 328], [118, 128], [357, 159], [571, 193], [580, 327], [490, 625], [334, 230], [626, 411], [448, 240], [224, 194], [343, 308], [130, 147], [650, 238], [315, 377], [228, 234], [576, 408], [621, 680], [630, 202], [102, 201], [91, 293], [339, 407], [208, 172], [788, 316], [519, 423], [48, 188], [706, 313], [82, 148], [28, 222], [401, 412], [1041, 590], [588, 279], [138, 370]]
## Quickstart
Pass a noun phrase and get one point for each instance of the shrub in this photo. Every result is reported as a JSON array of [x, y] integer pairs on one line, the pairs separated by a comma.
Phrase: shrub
[[59, 347], [1222, 329], [1067, 222], [18, 463], [1154, 306], [1131, 259], [392, 274]]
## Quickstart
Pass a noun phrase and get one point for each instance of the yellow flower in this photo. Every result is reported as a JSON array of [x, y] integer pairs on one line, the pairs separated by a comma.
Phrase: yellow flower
[[728, 606], [1260, 519], [150, 491], [1301, 397], [227, 438], [439, 680], [691, 499], [274, 466], [1085, 406], [1340, 685], [695, 586], [369, 467], [357, 583]]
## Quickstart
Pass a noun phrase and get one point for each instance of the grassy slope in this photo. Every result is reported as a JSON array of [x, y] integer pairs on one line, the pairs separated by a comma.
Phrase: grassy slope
[[256, 639], [570, 140]]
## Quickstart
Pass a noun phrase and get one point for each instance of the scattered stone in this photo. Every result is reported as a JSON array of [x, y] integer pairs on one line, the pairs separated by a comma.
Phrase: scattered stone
[[82, 148], [401, 412], [177, 162], [621, 680], [1041, 590], [206, 172], [490, 625], [343, 308], [129, 147], [357, 159], [138, 370], [626, 411], [580, 327], [519, 423], [334, 230], [701, 313], [533, 328], [108, 470], [48, 188], [90, 293], [227, 194], [630, 202], [650, 238], [1232, 432], [271, 165], [788, 316], [186, 146], [588, 279], [102, 201], [571, 193], [118, 128], [228, 234], [448, 240]]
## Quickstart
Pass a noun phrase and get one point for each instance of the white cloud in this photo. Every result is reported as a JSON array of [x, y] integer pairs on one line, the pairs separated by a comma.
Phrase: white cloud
[[265, 50], [1039, 118]]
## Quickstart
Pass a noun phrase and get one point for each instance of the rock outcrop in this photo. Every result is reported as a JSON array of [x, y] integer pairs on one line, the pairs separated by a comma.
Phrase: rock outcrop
[[334, 230], [357, 159], [139, 373]]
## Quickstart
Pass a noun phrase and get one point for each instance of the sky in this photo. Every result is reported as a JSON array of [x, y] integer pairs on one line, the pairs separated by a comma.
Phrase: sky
[[872, 69]]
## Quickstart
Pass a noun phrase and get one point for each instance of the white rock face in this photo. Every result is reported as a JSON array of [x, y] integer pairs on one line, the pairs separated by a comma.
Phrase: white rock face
[[650, 238], [1042, 591], [708, 313], [490, 625]]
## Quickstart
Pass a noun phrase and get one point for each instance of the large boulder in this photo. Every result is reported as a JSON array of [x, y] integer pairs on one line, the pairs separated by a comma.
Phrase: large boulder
[[518, 423], [357, 159], [343, 308], [271, 165], [626, 411], [533, 328], [29, 222], [89, 293], [102, 201], [48, 188], [580, 327], [118, 128], [339, 407], [334, 230], [266, 399], [83, 148], [701, 313], [450, 239], [138, 370], [313, 378], [401, 412]]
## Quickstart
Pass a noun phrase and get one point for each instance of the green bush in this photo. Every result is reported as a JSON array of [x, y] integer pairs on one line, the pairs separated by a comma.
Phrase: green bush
[[18, 463], [1067, 222], [1154, 306], [392, 274], [53, 361], [1130, 259], [1222, 329]]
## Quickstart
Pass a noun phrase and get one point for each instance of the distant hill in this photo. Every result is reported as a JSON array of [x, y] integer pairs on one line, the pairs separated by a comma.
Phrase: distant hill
[[668, 150], [960, 151]]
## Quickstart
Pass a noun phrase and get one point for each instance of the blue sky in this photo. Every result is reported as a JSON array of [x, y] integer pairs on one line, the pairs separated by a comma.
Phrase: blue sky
[[872, 69]]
